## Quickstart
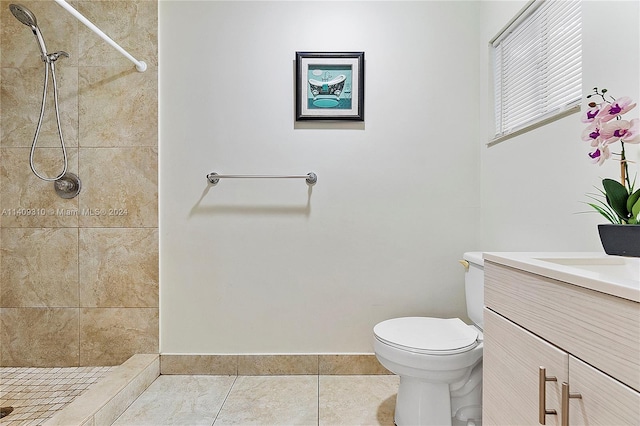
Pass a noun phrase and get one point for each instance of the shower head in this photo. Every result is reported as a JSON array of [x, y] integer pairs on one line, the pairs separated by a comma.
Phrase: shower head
[[27, 17], [24, 15]]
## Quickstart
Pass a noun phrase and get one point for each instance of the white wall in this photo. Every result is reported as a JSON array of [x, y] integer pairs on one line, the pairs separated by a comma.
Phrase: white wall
[[534, 185], [270, 266]]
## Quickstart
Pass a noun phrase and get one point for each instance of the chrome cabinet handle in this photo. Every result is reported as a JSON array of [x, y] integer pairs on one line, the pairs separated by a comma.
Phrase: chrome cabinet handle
[[542, 398], [565, 403]]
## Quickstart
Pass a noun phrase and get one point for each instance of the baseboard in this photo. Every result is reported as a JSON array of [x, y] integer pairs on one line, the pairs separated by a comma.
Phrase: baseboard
[[269, 365]]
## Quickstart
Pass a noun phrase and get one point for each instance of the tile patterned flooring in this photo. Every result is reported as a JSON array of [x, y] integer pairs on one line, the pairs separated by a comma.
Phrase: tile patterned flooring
[[36, 394], [265, 400]]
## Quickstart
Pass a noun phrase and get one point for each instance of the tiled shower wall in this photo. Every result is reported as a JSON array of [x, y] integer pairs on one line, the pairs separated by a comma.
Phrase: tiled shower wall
[[79, 277]]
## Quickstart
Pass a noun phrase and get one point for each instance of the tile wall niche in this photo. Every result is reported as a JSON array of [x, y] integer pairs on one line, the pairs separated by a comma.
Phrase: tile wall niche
[[79, 277]]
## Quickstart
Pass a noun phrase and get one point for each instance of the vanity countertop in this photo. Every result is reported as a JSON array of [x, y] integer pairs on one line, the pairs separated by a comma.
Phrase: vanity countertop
[[615, 275]]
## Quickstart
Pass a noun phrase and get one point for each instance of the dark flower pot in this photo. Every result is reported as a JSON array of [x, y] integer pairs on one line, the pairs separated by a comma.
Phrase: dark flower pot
[[620, 240]]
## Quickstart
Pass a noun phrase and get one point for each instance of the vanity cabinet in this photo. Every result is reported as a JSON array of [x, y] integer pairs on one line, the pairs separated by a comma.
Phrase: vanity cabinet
[[547, 341]]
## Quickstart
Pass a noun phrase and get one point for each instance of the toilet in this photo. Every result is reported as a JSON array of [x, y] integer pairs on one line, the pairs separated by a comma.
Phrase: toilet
[[439, 360]]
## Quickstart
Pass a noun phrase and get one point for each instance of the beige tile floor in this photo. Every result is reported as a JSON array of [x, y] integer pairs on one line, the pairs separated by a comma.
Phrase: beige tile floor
[[265, 400]]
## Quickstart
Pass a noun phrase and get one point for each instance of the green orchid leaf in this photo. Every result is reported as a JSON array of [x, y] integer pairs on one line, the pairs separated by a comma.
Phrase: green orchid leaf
[[603, 207], [617, 196], [632, 200], [605, 212], [635, 209]]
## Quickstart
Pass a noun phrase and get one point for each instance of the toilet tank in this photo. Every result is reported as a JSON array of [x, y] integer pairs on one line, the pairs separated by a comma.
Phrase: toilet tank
[[474, 287]]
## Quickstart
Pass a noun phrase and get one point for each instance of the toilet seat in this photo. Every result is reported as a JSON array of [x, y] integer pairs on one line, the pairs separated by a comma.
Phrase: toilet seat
[[425, 335]]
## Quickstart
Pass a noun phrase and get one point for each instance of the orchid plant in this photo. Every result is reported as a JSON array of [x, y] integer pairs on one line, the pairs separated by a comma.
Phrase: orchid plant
[[619, 203]]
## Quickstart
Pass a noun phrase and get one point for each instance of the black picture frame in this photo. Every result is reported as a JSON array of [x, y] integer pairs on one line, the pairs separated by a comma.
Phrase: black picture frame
[[330, 86]]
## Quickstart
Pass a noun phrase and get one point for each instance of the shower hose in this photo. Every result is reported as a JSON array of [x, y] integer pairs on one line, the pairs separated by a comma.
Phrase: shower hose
[[49, 64]]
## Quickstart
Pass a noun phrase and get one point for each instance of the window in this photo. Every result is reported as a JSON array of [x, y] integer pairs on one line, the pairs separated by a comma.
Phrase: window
[[537, 64]]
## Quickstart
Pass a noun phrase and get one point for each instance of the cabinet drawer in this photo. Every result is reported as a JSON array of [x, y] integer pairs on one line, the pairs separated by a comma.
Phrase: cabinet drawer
[[600, 329]]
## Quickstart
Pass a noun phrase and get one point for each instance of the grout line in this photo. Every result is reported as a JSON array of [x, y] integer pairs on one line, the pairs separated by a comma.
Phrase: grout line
[[225, 399], [79, 284], [318, 405]]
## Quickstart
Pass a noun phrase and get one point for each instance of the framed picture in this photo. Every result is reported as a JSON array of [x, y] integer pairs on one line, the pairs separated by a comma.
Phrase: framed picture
[[330, 86]]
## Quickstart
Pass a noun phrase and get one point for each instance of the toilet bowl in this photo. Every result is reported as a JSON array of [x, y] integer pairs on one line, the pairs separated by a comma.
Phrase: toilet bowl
[[439, 360]]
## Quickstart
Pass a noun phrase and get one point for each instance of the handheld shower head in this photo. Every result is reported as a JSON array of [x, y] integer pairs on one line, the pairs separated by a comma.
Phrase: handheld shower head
[[24, 15], [27, 17]]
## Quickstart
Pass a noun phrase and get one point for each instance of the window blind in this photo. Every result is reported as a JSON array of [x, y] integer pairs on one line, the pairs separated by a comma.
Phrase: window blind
[[537, 64]]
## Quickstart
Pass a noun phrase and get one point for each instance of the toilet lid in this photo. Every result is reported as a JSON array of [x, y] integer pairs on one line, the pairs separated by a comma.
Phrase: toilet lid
[[427, 335]]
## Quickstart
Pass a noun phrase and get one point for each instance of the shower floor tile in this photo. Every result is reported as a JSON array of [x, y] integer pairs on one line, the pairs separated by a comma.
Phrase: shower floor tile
[[36, 394], [265, 400]]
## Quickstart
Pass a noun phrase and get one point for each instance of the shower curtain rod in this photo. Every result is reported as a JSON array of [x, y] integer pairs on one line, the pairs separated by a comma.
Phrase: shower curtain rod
[[140, 65], [310, 177]]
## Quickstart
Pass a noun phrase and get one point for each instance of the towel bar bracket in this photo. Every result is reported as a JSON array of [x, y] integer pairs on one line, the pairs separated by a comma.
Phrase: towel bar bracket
[[213, 180], [312, 179]]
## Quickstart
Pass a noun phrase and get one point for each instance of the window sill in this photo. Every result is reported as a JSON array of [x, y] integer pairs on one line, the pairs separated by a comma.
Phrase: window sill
[[546, 120]]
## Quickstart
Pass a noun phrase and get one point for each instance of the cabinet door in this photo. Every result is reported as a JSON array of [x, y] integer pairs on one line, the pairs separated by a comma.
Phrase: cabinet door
[[604, 400], [511, 364]]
